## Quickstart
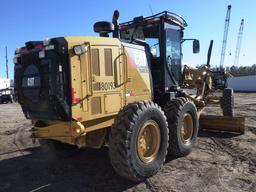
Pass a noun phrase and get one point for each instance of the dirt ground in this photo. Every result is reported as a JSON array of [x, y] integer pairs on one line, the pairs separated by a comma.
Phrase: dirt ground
[[219, 161]]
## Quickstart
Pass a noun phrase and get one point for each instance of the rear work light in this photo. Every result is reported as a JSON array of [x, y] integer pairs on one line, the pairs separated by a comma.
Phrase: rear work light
[[49, 47], [15, 59], [17, 50], [46, 42], [42, 54], [80, 49]]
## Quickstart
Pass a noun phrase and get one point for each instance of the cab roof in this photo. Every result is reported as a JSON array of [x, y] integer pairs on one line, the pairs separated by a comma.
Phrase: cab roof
[[166, 15]]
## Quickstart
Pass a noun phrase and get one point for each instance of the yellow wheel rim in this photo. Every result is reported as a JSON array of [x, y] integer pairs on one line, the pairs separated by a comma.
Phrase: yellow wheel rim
[[187, 128], [148, 142]]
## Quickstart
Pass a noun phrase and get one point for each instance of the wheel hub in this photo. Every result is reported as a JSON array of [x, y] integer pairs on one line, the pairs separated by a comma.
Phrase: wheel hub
[[187, 128], [148, 142]]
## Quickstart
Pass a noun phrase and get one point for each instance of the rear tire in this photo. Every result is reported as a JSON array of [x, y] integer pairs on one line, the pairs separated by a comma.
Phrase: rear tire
[[138, 140], [227, 102], [183, 126]]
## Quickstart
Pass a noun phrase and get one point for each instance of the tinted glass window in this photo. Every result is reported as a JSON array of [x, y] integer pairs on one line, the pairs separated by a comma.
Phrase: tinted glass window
[[173, 51]]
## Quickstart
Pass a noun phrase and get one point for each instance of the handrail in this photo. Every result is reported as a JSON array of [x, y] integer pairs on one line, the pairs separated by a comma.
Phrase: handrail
[[175, 16], [116, 73]]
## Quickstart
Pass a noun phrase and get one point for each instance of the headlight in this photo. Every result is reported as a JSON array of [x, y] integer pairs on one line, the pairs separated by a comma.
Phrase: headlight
[[80, 49]]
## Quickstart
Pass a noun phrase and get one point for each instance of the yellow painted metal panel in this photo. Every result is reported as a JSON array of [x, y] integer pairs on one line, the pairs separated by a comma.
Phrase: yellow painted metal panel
[[112, 102]]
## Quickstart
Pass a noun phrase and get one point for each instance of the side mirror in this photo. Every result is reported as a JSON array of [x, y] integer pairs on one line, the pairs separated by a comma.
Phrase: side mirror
[[196, 46]]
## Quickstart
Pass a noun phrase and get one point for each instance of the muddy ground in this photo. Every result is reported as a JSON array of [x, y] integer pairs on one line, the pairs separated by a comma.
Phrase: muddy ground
[[219, 161]]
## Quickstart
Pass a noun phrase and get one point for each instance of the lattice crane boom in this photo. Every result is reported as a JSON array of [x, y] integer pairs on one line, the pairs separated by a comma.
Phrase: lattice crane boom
[[239, 43], [225, 36]]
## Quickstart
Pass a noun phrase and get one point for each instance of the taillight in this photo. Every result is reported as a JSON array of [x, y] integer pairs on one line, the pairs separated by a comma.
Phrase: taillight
[[39, 46], [73, 95], [73, 98]]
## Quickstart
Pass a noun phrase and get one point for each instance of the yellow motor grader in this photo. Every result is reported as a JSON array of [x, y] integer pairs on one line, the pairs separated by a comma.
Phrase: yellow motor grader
[[127, 92]]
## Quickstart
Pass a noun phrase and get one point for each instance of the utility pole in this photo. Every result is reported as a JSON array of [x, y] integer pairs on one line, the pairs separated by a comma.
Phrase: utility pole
[[0, 66], [225, 36], [6, 60], [238, 43]]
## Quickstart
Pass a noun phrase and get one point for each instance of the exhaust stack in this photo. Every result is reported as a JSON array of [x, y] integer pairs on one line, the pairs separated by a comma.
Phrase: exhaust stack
[[115, 21]]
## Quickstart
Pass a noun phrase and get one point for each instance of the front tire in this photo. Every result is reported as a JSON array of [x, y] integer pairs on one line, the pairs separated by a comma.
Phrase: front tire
[[227, 102], [183, 126], [138, 140]]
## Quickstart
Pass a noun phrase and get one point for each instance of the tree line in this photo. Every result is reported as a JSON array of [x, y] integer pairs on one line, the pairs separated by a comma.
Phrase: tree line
[[240, 71]]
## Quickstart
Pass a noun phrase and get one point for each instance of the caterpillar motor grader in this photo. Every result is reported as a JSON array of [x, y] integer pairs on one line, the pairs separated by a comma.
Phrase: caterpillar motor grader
[[125, 92]]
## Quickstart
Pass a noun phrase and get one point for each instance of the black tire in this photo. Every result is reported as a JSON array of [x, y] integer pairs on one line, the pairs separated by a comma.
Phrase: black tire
[[175, 111], [54, 149], [123, 150], [227, 102]]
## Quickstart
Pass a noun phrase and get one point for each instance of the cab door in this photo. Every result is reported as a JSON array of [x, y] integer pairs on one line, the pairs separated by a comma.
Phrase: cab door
[[102, 82]]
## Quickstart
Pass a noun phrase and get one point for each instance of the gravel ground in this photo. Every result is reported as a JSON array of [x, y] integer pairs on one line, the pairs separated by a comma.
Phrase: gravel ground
[[219, 161]]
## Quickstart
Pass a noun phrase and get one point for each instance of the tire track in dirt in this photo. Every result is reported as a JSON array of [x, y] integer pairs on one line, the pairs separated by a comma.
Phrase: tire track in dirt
[[15, 143], [158, 186], [233, 149], [242, 168], [209, 146]]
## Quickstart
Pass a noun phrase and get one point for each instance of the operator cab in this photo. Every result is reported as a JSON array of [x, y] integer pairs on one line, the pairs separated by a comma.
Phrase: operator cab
[[162, 35]]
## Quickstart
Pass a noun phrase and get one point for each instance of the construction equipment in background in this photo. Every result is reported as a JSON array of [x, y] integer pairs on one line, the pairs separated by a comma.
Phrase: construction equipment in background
[[6, 87], [219, 74], [127, 92], [225, 36], [220, 78], [239, 43], [6, 95]]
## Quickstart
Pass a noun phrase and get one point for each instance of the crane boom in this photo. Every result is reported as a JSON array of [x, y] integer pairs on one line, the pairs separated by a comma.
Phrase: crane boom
[[239, 42], [225, 36]]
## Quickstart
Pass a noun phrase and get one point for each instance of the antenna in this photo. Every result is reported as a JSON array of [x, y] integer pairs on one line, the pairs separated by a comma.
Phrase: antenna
[[151, 10], [6, 61]]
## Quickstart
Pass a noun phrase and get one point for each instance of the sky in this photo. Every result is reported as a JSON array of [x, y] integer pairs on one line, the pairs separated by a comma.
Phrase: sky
[[22, 21]]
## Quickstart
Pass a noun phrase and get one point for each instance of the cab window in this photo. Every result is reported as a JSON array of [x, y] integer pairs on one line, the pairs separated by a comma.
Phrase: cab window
[[173, 51]]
